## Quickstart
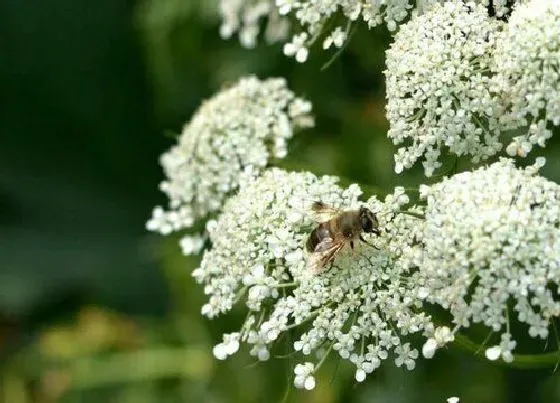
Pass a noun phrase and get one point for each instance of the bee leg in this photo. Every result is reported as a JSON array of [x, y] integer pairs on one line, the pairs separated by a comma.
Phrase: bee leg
[[352, 246], [367, 243]]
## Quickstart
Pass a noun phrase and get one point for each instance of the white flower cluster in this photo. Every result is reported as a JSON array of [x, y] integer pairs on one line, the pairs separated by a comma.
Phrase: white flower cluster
[[364, 307], [492, 237], [438, 86], [314, 15], [244, 16], [235, 133], [527, 63]]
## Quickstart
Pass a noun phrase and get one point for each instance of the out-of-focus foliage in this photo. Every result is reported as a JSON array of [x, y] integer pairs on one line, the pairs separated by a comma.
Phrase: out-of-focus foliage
[[94, 309]]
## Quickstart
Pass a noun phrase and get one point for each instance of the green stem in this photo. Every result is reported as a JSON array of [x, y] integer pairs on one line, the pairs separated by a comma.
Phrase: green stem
[[350, 32], [312, 315], [240, 295], [324, 358], [411, 213], [521, 361], [286, 285]]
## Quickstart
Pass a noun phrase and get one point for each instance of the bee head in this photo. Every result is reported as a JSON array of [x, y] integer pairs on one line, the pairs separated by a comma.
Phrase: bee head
[[368, 220]]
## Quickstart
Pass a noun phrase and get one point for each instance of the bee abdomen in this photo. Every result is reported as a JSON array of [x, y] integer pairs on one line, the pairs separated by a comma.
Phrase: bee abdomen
[[316, 236]]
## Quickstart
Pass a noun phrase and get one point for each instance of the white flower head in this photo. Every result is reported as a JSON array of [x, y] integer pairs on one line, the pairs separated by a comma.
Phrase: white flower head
[[363, 307], [491, 237], [245, 17], [527, 64], [438, 92], [234, 134]]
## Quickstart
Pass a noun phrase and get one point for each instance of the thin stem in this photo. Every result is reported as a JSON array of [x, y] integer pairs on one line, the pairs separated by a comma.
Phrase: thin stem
[[484, 342], [286, 285], [521, 361], [261, 318], [312, 315], [350, 32], [557, 344], [362, 346], [417, 215], [240, 295], [324, 358]]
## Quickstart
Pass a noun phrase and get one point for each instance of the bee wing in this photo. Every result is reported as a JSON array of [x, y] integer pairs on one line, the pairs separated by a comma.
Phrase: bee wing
[[322, 212], [324, 253]]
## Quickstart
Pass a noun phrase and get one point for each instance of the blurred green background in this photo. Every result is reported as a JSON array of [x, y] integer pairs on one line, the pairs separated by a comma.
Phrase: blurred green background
[[95, 309]]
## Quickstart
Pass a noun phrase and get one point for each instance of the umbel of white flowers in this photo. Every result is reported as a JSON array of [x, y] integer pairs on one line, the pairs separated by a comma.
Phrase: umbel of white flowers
[[461, 80], [527, 64], [364, 308], [312, 16], [438, 93], [490, 237], [234, 133]]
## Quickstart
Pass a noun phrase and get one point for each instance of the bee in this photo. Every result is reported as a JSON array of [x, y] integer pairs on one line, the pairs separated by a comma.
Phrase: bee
[[336, 229]]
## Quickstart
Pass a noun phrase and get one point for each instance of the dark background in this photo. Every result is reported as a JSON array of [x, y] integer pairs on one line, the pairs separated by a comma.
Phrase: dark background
[[94, 308]]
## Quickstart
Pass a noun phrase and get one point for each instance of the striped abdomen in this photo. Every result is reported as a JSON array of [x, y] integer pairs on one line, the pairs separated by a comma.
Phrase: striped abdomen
[[317, 235]]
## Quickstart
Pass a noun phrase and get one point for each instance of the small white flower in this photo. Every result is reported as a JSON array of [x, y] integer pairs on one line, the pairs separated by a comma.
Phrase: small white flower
[[503, 350], [453, 399], [191, 245], [429, 348], [228, 347], [304, 376], [336, 38], [406, 356], [360, 375], [443, 335], [297, 48], [493, 353]]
